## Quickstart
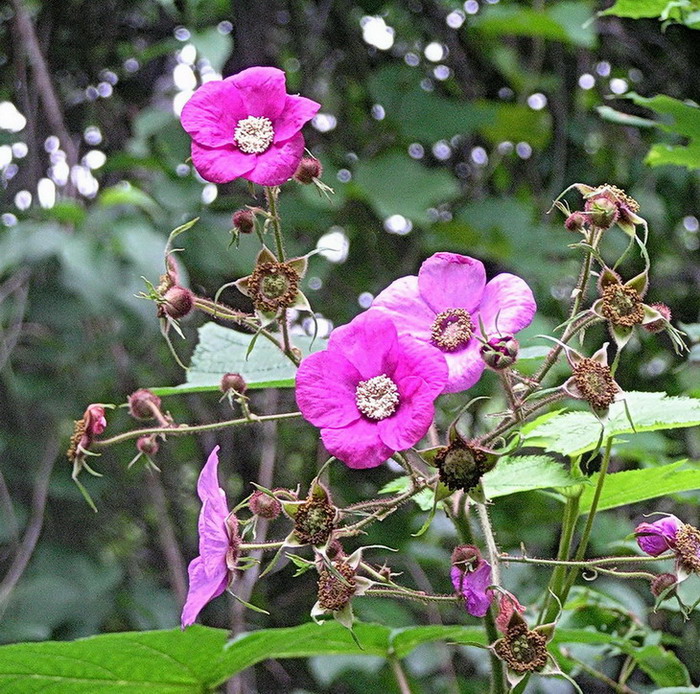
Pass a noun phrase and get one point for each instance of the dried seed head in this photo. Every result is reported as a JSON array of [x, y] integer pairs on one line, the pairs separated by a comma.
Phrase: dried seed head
[[500, 352], [273, 286], [308, 169], [462, 465], [141, 403], [659, 325], [244, 221], [595, 383], [314, 522], [662, 583], [688, 548], [622, 305], [333, 594], [77, 440], [521, 649], [264, 505], [233, 381]]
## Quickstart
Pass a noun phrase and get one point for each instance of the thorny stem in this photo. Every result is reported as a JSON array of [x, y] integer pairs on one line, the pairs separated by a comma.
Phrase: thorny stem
[[490, 540], [410, 595], [182, 429], [510, 395], [244, 546], [589, 563]]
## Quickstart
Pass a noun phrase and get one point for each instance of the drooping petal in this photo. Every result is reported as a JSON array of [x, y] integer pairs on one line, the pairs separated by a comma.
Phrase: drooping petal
[[325, 389], [202, 589], [464, 368], [369, 342], [221, 164], [297, 111], [358, 445], [658, 537], [211, 114], [507, 305], [409, 424], [450, 280], [407, 309], [263, 91], [472, 586], [278, 164], [213, 538]]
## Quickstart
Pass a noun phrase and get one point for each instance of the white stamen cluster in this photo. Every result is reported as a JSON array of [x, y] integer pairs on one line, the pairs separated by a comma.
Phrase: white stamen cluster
[[254, 135], [452, 329], [377, 398]]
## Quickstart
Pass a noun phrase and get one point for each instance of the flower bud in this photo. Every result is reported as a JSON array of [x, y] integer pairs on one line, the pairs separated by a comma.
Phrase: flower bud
[[575, 222], [178, 302], [500, 352], [658, 326], [602, 211], [264, 505], [95, 421], [141, 403], [466, 557], [147, 445], [308, 169], [233, 381], [662, 583], [244, 221]]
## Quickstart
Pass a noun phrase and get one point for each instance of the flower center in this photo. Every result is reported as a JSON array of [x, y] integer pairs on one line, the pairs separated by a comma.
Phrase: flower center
[[273, 286], [452, 329], [253, 135], [522, 650], [622, 305], [314, 522], [595, 382], [377, 398]]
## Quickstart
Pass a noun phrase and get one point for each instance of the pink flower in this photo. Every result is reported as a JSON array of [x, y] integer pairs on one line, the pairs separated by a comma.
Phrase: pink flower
[[444, 305], [370, 392], [95, 420], [658, 537], [247, 126], [210, 573], [471, 578]]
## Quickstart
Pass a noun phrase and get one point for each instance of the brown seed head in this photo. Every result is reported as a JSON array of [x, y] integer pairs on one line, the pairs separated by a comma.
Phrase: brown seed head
[[461, 465], [333, 594], [521, 649], [595, 382], [314, 522], [688, 548], [273, 286], [622, 305]]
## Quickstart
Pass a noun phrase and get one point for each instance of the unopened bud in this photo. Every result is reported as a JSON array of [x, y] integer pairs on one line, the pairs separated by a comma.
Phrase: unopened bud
[[244, 221], [178, 302], [141, 403], [602, 212], [264, 505], [659, 325], [231, 381], [662, 583], [147, 445], [95, 421], [500, 352], [466, 557], [575, 222], [308, 169]]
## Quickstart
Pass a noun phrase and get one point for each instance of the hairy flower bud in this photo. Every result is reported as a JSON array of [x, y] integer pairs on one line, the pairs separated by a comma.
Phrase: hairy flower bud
[[233, 381], [178, 302], [466, 557], [575, 222], [662, 583], [500, 352], [244, 221], [308, 169], [147, 445], [658, 325], [602, 211], [141, 403], [264, 505]]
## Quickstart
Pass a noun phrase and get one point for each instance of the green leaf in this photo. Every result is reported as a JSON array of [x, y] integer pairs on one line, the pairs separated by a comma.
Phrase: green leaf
[[610, 114], [637, 9], [221, 350], [662, 666], [632, 486], [573, 433], [411, 194], [525, 473], [195, 660]]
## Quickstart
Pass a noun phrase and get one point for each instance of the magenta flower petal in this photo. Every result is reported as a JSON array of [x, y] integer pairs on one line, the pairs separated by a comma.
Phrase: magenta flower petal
[[211, 114], [507, 305], [221, 164], [213, 538], [278, 164], [409, 312], [658, 537], [473, 587], [202, 589], [418, 359], [298, 110], [326, 383], [449, 280], [464, 368], [262, 90], [411, 422], [369, 342], [358, 444]]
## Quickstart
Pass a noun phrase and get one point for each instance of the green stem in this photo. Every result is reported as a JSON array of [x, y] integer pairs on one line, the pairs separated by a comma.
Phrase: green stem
[[271, 195], [589, 563], [182, 429], [410, 595], [400, 675]]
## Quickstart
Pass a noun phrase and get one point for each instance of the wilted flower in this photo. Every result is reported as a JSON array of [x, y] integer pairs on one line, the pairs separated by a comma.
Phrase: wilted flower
[[658, 537], [219, 544], [449, 302], [471, 578], [247, 126], [91, 424], [370, 392]]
